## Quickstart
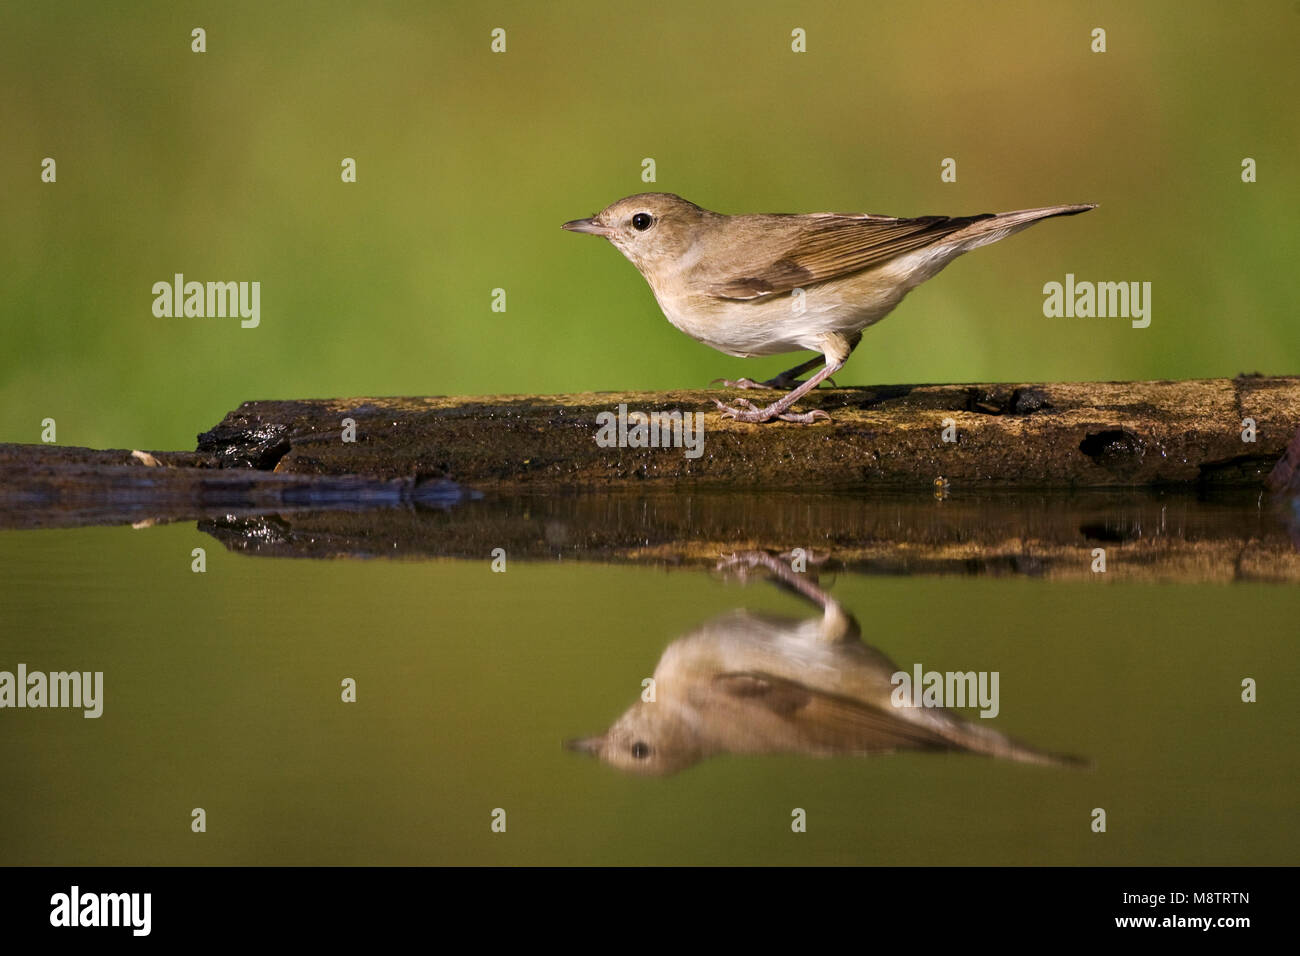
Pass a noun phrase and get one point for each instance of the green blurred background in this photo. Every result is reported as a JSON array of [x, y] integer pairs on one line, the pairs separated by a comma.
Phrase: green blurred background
[[225, 166]]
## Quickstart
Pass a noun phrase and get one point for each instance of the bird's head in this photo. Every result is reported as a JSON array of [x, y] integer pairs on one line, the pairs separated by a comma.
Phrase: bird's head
[[651, 229]]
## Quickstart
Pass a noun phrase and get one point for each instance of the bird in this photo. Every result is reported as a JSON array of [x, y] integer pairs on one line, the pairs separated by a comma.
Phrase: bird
[[768, 284], [747, 683]]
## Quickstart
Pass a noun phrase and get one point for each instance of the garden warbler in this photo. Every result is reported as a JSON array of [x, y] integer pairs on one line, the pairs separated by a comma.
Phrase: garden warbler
[[769, 284]]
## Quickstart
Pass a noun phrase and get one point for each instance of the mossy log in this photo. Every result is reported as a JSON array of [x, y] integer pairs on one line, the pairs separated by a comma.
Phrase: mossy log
[[1088, 434]]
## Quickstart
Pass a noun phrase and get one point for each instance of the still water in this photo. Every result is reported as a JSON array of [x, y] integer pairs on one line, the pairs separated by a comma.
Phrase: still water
[[222, 690]]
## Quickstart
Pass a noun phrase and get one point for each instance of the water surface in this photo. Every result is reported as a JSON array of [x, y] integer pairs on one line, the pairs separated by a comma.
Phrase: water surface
[[222, 691]]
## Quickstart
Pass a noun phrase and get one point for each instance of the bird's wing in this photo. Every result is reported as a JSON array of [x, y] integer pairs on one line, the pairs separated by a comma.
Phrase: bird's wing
[[829, 246], [832, 723]]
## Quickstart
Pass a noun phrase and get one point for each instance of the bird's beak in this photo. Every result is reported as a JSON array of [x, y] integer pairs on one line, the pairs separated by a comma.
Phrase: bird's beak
[[588, 226], [585, 745]]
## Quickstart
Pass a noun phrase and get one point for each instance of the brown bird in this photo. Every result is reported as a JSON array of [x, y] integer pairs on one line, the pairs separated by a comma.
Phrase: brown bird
[[770, 284]]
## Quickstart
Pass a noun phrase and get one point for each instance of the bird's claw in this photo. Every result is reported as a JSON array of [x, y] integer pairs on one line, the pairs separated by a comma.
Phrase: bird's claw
[[742, 383], [805, 418], [749, 412]]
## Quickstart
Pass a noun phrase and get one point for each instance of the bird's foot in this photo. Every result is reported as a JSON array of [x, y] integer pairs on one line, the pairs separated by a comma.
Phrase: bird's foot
[[805, 418], [749, 412], [743, 383]]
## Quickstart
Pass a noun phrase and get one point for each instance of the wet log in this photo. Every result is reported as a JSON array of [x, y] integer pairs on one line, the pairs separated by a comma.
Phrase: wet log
[[967, 438], [1088, 434]]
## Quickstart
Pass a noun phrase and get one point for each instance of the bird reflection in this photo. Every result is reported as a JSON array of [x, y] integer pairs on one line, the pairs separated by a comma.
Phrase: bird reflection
[[748, 683]]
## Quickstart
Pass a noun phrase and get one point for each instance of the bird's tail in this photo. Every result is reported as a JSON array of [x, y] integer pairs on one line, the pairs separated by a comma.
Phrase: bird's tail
[[1046, 212], [985, 229], [984, 740]]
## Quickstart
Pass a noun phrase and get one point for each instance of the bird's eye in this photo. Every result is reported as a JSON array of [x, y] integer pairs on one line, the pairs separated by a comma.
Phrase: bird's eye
[[640, 750], [641, 221]]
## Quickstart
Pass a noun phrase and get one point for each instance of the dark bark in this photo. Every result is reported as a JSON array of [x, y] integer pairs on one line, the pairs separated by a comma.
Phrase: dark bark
[[1052, 435]]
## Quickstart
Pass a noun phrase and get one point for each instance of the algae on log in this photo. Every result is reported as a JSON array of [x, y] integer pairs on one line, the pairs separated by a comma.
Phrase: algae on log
[[1063, 434]]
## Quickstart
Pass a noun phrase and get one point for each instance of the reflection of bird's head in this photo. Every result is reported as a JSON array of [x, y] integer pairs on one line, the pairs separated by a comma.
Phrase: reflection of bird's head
[[650, 739]]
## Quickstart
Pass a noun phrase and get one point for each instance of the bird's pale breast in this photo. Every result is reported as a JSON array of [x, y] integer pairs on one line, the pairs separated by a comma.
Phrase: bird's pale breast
[[782, 323]]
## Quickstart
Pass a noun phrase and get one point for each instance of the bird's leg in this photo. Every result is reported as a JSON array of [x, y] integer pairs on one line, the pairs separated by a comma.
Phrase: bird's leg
[[836, 349], [786, 380], [836, 624], [790, 377]]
